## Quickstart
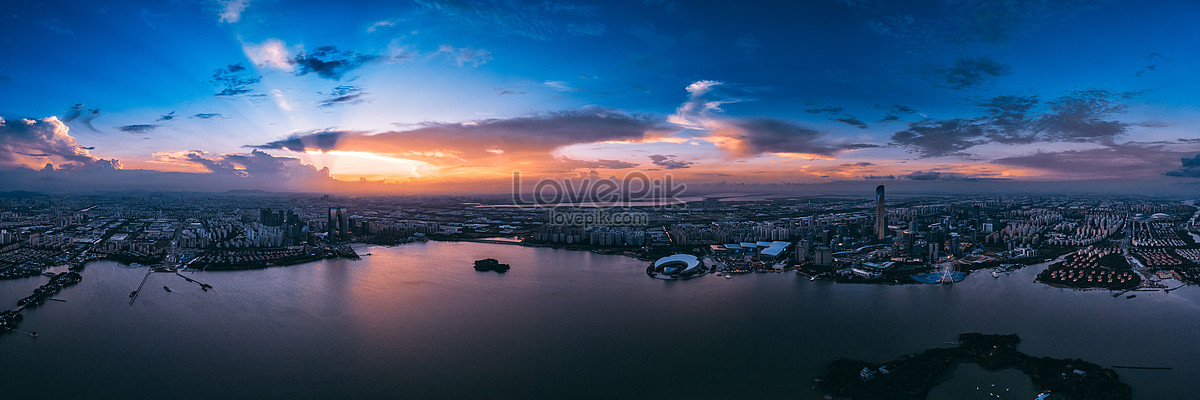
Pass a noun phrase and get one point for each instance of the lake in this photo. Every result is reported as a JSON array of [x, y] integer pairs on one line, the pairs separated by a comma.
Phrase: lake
[[416, 321]]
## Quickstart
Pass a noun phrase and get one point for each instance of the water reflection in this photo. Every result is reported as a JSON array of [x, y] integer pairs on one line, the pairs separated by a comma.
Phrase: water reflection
[[418, 321]]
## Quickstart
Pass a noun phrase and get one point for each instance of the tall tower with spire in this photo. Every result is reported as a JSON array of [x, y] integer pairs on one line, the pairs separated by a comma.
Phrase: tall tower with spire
[[880, 214]]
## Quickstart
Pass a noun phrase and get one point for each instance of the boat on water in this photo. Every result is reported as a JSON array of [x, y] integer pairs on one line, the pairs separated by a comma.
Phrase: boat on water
[[995, 274], [133, 293], [1131, 296], [367, 254], [166, 288], [728, 276]]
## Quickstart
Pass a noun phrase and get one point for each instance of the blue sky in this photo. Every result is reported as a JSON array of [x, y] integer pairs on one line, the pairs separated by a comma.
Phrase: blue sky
[[428, 93]]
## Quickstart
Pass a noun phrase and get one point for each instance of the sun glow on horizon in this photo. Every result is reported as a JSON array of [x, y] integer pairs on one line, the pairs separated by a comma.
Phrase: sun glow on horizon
[[360, 164]]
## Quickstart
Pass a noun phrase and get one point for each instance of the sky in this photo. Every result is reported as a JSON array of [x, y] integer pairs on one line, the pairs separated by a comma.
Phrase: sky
[[432, 96]]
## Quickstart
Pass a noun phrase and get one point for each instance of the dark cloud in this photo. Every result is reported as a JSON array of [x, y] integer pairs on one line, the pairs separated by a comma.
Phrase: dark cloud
[[669, 161], [206, 115], [827, 110], [1079, 116], [257, 165], [857, 146], [1008, 120], [1124, 160], [940, 176], [234, 79], [837, 114], [527, 140], [922, 175], [567, 164], [329, 63], [1083, 116], [166, 117], [766, 135], [138, 129], [874, 177], [852, 122], [1190, 168], [323, 140], [541, 21], [39, 138], [257, 170], [507, 91], [344, 94], [1145, 69], [934, 138], [895, 111], [1153, 56], [967, 73], [73, 113], [77, 113]]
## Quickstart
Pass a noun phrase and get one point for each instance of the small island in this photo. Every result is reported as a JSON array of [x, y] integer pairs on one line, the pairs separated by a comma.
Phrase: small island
[[490, 264], [912, 376]]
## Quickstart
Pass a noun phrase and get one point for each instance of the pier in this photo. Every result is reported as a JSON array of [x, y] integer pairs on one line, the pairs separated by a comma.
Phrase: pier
[[1132, 367], [30, 334], [203, 285], [138, 292]]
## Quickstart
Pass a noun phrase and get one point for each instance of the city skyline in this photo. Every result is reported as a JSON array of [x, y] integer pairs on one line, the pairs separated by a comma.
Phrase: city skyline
[[451, 97]]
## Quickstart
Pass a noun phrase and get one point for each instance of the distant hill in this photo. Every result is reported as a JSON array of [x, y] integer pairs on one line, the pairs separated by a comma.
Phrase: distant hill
[[249, 192], [21, 194]]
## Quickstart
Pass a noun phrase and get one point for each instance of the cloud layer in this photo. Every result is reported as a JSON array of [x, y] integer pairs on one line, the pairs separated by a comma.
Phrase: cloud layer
[[1079, 116], [35, 142], [520, 142]]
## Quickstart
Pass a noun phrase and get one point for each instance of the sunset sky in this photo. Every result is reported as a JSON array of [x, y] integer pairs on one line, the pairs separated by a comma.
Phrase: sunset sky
[[427, 96]]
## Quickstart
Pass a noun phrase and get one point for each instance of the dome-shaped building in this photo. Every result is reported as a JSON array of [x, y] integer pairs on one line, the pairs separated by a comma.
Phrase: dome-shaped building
[[678, 265]]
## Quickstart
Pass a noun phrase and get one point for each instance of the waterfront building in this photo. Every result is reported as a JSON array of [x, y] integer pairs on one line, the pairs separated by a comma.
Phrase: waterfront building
[[773, 250], [678, 264], [823, 256]]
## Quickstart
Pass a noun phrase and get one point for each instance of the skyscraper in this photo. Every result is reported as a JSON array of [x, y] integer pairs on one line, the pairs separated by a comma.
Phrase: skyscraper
[[338, 223], [880, 214]]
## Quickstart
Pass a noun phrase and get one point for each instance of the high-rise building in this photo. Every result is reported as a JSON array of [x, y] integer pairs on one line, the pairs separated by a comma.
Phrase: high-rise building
[[339, 223], [880, 214], [823, 256]]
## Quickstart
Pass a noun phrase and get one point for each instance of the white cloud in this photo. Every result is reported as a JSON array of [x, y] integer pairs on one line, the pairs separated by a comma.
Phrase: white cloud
[[381, 24], [694, 113], [560, 86], [701, 87], [281, 100], [466, 55], [231, 10], [272, 53]]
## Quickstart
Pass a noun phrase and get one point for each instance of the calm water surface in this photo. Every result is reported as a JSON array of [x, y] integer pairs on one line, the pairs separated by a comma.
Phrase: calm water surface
[[416, 321]]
